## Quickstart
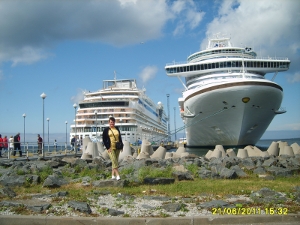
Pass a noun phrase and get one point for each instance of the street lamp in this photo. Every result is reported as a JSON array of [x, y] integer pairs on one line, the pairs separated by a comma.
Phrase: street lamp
[[24, 115], [66, 133], [75, 107], [48, 132], [96, 122], [169, 133], [175, 122], [43, 96]]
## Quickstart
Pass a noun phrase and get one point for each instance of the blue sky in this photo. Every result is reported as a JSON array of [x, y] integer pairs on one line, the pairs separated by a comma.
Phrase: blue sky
[[62, 48]]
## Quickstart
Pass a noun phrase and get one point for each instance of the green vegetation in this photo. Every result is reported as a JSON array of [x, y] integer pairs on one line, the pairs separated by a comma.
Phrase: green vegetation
[[210, 188]]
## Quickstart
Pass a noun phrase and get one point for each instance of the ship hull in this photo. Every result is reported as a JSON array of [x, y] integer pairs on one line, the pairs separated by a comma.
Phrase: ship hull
[[222, 118]]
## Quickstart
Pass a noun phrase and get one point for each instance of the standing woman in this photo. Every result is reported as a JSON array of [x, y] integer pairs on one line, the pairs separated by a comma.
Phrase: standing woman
[[111, 135]]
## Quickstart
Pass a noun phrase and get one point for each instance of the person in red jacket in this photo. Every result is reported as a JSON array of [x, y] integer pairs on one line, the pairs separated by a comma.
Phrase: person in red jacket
[[1, 145], [5, 143]]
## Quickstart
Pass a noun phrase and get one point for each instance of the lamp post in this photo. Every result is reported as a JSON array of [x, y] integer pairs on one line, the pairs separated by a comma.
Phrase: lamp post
[[43, 96], [24, 115], [48, 132], [75, 107], [66, 134], [96, 122], [169, 133]]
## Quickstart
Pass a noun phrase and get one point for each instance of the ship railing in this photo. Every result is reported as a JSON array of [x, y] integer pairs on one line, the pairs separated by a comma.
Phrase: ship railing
[[259, 58], [32, 150]]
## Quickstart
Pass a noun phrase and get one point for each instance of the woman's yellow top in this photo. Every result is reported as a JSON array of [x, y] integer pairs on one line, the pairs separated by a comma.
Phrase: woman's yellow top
[[113, 139]]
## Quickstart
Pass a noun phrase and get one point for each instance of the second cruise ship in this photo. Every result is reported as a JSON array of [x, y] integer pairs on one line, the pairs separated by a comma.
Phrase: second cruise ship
[[136, 115]]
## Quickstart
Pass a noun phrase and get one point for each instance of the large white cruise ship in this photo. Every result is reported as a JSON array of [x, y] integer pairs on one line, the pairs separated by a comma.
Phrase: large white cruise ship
[[136, 115], [227, 100]]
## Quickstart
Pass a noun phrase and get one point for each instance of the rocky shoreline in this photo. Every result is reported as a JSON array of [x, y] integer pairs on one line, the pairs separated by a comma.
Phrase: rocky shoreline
[[217, 164]]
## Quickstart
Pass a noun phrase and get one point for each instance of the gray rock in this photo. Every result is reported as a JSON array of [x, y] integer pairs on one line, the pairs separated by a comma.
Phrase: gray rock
[[154, 181], [204, 173], [114, 212], [239, 171], [228, 174], [172, 207], [109, 183], [213, 204], [178, 175], [53, 181], [247, 163], [80, 206], [278, 171], [157, 198], [12, 180], [259, 170], [269, 162], [7, 191], [266, 195]]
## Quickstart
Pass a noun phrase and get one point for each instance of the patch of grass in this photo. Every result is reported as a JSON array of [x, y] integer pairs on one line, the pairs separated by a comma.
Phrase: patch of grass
[[44, 173], [149, 171], [21, 209], [128, 170], [193, 169]]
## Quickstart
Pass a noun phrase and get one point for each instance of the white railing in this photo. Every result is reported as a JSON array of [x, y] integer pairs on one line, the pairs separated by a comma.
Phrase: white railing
[[31, 149]]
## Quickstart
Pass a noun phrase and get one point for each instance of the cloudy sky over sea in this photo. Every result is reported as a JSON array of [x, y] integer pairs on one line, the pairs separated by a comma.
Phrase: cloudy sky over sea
[[63, 48]]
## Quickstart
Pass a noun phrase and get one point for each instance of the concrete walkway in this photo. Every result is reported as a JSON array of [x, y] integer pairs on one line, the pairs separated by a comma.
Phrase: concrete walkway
[[291, 219]]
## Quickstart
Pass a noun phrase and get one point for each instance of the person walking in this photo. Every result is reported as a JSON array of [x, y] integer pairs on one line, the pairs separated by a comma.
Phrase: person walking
[[5, 143], [17, 144], [1, 145], [40, 143], [111, 135], [11, 144], [55, 144], [73, 143]]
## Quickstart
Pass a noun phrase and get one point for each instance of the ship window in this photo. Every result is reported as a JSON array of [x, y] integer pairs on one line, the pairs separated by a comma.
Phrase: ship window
[[184, 69], [202, 67], [258, 64], [198, 67], [221, 65], [217, 65], [269, 64], [205, 66], [254, 64], [228, 64], [213, 65], [209, 66], [265, 64], [233, 64]]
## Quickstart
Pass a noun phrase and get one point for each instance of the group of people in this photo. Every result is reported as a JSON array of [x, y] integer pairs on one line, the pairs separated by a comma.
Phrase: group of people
[[111, 136], [13, 143]]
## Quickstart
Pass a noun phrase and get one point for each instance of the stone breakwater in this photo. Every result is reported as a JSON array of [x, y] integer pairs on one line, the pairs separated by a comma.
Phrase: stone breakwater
[[217, 164]]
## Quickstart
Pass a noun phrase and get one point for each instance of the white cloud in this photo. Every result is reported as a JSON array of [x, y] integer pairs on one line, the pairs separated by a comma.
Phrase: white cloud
[[148, 73], [264, 23], [40, 25], [270, 27], [189, 16], [78, 97], [294, 78]]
